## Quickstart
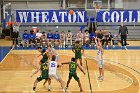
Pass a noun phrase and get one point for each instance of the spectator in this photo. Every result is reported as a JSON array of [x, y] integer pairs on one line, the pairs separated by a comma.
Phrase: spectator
[[38, 37], [56, 37], [31, 37], [43, 39], [109, 37], [79, 37], [50, 37], [15, 36], [69, 38], [25, 38], [86, 37], [123, 32], [62, 39], [92, 36]]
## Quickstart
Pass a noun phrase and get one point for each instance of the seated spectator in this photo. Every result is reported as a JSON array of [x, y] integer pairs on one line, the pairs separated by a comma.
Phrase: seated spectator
[[92, 36], [62, 39], [86, 37], [38, 37], [109, 39], [44, 39], [69, 38], [79, 37], [56, 37], [49, 37], [31, 37], [25, 38]]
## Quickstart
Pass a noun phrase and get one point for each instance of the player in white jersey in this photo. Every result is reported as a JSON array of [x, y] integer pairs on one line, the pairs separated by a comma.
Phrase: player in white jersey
[[51, 51], [100, 59], [53, 72]]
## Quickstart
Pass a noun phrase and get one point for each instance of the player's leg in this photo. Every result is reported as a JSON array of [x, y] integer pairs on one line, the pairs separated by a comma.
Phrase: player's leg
[[101, 70], [49, 83], [78, 80], [36, 81], [81, 61], [58, 78], [70, 77]]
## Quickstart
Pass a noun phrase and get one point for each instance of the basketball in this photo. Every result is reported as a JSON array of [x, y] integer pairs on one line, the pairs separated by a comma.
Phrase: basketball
[[71, 12]]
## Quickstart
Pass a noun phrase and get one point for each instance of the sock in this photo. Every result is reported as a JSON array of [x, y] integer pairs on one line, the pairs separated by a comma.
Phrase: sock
[[49, 86]]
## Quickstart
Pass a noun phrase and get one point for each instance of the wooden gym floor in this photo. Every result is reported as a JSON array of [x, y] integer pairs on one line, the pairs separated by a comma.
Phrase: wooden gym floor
[[121, 72]]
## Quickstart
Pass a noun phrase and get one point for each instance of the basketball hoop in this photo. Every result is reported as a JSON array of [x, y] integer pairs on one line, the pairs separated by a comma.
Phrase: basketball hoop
[[97, 6], [10, 23]]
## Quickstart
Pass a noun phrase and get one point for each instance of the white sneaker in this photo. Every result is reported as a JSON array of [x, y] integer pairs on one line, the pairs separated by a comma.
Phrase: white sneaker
[[33, 91], [102, 78], [113, 46], [64, 90]]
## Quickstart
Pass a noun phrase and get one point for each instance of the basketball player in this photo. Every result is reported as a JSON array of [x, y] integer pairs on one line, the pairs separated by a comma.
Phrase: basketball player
[[79, 37], [69, 38], [50, 37], [44, 74], [51, 51], [100, 58], [78, 53], [53, 72], [44, 60], [72, 72], [62, 39], [86, 37]]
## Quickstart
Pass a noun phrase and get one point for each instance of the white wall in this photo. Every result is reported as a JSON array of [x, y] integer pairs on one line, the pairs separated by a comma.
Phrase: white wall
[[35, 5], [131, 4]]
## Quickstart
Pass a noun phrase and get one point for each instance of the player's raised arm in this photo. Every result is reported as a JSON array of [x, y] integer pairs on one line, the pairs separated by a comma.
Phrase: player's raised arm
[[81, 68]]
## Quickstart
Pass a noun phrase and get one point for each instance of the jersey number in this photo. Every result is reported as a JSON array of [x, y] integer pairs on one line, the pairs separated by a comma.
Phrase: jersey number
[[44, 67], [52, 64], [72, 65]]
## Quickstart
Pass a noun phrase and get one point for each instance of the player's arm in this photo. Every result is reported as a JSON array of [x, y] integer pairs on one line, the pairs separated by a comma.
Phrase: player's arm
[[73, 50], [81, 68], [35, 72], [65, 63], [96, 43], [83, 50]]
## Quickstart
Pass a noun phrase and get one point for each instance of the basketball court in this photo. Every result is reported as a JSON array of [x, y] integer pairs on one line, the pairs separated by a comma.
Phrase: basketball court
[[122, 66], [121, 72]]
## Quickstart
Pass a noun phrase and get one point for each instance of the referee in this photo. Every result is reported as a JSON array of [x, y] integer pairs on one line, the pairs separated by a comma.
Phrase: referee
[[123, 32]]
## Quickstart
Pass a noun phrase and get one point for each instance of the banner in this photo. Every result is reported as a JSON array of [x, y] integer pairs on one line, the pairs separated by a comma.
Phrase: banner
[[119, 16], [50, 16]]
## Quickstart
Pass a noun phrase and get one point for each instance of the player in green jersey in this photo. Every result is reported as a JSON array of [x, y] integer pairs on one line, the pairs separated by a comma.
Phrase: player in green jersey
[[79, 51], [72, 72], [44, 74], [43, 53], [45, 58]]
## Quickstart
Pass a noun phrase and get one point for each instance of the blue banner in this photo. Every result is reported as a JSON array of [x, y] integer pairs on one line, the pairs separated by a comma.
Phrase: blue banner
[[50, 16], [118, 16]]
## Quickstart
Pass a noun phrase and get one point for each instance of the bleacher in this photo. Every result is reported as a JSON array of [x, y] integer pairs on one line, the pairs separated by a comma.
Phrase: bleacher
[[133, 29]]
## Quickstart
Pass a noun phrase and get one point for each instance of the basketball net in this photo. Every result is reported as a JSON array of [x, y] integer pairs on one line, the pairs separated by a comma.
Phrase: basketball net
[[97, 8]]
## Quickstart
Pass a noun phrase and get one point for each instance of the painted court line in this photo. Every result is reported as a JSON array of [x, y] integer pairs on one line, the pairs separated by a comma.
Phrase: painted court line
[[97, 81], [6, 55]]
